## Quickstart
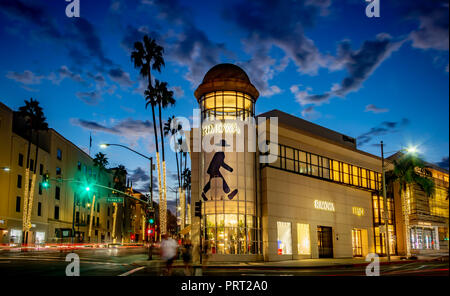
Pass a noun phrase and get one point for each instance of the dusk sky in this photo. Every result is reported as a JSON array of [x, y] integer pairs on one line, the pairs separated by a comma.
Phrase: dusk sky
[[374, 79]]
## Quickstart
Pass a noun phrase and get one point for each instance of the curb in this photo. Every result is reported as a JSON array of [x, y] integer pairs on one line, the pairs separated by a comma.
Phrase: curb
[[271, 267]]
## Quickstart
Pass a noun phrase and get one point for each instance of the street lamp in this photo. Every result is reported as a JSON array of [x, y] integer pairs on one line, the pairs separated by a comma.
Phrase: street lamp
[[105, 145], [409, 150]]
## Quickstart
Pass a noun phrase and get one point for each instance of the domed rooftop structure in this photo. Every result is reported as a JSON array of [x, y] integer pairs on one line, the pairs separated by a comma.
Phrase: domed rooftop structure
[[226, 77]]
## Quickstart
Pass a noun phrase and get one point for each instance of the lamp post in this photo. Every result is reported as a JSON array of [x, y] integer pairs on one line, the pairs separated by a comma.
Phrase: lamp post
[[411, 149], [385, 212], [104, 146]]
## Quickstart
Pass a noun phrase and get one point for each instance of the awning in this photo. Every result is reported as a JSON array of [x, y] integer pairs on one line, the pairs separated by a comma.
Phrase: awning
[[186, 230]]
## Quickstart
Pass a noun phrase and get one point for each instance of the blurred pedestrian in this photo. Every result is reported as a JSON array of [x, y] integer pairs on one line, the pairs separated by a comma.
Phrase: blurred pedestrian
[[187, 256], [169, 250]]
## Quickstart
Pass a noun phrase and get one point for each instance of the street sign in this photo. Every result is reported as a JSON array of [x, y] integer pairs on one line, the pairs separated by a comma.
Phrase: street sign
[[112, 199]]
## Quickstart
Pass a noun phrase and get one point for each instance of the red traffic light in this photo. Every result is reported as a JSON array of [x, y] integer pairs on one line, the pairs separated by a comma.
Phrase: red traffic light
[[150, 231]]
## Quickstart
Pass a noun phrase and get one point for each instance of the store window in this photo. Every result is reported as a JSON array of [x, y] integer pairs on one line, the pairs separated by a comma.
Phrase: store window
[[303, 239], [284, 238], [423, 238], [40, 237], [15, 235]]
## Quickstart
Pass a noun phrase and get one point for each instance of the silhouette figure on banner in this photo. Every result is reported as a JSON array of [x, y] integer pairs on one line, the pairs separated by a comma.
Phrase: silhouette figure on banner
[[217, 162]]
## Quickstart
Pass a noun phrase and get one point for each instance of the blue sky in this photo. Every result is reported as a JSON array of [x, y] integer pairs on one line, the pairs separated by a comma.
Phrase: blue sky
[[373, 79]]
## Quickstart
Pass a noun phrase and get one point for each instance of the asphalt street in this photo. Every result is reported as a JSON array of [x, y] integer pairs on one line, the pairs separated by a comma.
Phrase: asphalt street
[[99, 262], [407, 269], [121, 262]]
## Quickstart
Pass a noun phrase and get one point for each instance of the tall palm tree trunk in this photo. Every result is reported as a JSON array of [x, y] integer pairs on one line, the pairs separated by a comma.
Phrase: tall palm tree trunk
[[158, 162], [25, 226], [164, 221], [406, 210], [33, 182]]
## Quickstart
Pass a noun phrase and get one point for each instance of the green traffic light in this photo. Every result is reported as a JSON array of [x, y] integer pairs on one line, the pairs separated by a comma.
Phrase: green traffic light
[[45, 184], [87, 188], [151, 221]]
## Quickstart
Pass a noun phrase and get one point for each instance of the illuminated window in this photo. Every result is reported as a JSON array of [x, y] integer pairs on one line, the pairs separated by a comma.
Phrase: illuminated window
[[336, 175], [284, 239], [303, 239], [346, 173], [227, 105], [355, 176], [364, 177], [372, 180]]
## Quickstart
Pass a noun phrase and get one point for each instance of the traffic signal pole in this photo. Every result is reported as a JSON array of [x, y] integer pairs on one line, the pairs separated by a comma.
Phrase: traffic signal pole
[[150, 246]]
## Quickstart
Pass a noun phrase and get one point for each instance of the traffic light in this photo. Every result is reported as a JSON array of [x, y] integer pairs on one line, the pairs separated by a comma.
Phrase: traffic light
[[46, 180], [151, 220], [198, 209], [151, 231]]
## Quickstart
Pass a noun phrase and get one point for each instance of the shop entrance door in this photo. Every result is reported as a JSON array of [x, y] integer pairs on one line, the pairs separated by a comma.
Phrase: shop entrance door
[[357, 242], [325, 241]]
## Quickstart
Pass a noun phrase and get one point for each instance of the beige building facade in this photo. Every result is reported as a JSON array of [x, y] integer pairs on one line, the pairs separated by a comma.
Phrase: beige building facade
[[65, 204], [318, 197]]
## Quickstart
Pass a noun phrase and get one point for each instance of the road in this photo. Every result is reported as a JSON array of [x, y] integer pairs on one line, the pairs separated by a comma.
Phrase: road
[[115, 262], [407, 269], [102, 262]]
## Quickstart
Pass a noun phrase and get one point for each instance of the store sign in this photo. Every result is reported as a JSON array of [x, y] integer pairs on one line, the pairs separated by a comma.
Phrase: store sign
[[221, 128], [358, 211], [424, 223], [324, 205]]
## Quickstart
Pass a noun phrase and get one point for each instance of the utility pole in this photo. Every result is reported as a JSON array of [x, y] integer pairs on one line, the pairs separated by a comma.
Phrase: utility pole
[[92, 216], [150, 246], [385, 211], [73, 217]]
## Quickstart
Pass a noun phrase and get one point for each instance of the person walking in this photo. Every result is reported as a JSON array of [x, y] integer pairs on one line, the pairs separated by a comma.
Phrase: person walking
[[187, 256], [169, 249]]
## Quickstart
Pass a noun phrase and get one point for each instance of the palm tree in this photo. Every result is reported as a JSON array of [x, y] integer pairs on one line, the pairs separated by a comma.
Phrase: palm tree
[[147, 56], [100, 162], [171, 128], [35, 122], [119, 178], [162, 96], [410, 170]]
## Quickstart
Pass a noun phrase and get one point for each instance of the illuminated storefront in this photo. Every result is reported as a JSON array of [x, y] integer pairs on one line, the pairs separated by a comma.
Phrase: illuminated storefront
[[317, 199], [230, 224]]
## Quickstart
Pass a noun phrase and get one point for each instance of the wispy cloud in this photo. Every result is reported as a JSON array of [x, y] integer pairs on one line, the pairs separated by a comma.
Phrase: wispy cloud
[[360, 65], [443, 163], [130, 129], [374, 109], [384, 128], [26, 77]]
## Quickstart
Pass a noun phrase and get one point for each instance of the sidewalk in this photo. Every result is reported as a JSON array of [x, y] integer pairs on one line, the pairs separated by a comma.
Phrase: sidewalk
[[293, 264]]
